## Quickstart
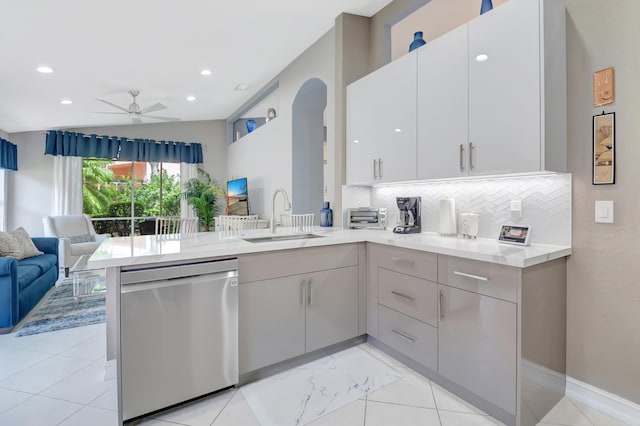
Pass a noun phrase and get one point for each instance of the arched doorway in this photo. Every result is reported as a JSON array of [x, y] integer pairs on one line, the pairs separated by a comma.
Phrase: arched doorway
[[309, 137]]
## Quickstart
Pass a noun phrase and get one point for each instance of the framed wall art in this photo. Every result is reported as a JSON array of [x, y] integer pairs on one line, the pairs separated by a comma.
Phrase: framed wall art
[[603, 87], [604, 149]]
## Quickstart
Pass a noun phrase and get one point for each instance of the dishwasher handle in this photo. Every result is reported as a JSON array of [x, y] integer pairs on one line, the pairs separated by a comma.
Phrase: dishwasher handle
[[161, 273], [230, 276]]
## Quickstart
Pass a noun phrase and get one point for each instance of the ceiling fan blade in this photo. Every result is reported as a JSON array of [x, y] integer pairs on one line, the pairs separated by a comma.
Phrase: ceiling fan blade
[[113, 105], [155, 107], [162, 118], [104, 112]]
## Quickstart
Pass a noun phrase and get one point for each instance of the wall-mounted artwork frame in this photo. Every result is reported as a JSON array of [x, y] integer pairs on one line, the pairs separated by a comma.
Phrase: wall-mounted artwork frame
[[604, 87], [604, 149]]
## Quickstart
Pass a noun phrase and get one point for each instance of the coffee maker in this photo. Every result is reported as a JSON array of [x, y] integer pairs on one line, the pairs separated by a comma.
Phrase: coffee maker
[[410, 208]]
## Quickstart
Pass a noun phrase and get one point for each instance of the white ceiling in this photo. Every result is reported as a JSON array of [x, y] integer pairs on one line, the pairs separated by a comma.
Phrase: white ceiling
[[103, 49]]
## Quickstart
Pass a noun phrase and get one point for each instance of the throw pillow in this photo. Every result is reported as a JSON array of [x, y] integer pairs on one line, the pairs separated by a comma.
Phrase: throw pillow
[[18, 244], [26, 244], [80, 238]]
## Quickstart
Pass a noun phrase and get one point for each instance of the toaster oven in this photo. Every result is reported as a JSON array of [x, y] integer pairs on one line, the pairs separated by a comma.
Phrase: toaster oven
[[367, 218]]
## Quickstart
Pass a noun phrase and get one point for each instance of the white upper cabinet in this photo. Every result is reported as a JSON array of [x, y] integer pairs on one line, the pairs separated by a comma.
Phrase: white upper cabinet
[[381, 124], [504, 90], [443, 106]]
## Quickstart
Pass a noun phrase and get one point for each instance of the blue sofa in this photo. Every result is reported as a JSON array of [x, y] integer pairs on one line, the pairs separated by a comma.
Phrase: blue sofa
[[24, 282]]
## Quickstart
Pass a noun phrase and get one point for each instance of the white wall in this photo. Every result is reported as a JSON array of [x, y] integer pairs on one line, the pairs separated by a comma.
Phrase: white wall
[[265, 155], [30, 189]]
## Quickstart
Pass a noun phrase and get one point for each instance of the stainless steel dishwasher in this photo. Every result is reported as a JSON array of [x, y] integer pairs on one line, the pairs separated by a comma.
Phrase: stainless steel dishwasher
[[178, 334]]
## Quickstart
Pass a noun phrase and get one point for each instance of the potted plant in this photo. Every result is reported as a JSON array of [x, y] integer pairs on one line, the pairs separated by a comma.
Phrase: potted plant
[[202, 193]]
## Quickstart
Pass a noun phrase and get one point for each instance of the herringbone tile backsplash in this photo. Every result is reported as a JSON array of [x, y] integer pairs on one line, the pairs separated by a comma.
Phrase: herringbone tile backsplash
[[546, 203]]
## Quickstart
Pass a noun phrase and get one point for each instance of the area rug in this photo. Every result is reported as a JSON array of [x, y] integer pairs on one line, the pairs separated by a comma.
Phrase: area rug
[[60, 310], [306, 393]]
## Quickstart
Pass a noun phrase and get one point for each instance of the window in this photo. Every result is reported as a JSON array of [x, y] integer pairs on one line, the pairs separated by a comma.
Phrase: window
[[107, 188]]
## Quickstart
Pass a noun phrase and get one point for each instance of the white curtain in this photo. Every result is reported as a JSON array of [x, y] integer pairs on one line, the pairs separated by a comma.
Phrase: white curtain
[[67, 185], [187, 171]]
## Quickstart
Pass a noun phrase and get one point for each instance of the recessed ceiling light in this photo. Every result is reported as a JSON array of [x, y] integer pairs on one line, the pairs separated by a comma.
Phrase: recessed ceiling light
[[242, 87], [356, 141], [66, 102], [191, 98], [482, 57], [45, 70], [397, 130], [205, 72]]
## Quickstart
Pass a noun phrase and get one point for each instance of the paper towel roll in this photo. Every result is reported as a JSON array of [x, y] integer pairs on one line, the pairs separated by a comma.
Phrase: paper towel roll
[[448, 217]]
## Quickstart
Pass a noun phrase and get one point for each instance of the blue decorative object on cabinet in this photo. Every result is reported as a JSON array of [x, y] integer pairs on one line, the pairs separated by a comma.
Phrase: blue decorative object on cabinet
[[251, 125], [326, 215], [487, 5], [417, 41]]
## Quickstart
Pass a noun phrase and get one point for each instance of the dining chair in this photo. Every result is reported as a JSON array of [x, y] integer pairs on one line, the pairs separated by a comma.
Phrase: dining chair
[[299, 222], [235, 223]]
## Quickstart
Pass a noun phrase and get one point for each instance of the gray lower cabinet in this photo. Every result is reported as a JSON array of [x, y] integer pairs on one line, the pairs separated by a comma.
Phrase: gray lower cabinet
[[271, 321], [477, 343]]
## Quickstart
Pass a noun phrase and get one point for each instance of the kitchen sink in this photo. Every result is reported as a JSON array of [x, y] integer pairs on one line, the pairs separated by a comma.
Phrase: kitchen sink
[[274, 238]]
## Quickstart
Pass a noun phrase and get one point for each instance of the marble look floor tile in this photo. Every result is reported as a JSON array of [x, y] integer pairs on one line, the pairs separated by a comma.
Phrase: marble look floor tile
[[92, 349], [44, 374], [236, 413], [82, 387], [11, 398], [55, 342], [451, 418], [385, 358], [39, 410], [109, 399], [447, 401], [566, 413], [198, 413], [92, 416], [598, 418], [409, 390], [301, 395], [349, 415], [17, 360], [383, 414]]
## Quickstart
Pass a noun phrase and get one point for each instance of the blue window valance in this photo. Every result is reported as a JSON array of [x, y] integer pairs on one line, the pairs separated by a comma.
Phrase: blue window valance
[[8, 155], [117, 148]]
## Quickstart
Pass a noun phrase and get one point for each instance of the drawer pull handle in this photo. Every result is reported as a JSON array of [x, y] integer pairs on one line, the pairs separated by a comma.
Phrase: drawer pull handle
[[406, 296], [302, 283], [441, 300], [475, 277], [399, 259], [309, 300], [404, 336]]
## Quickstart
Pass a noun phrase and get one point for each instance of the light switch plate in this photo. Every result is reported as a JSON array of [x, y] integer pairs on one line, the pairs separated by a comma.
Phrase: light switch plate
[[604, 211]]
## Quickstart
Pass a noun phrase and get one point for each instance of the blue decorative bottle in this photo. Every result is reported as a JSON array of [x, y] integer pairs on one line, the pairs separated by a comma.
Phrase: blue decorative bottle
[[417, 41], [251, 125], [487, 5], [326, 215]]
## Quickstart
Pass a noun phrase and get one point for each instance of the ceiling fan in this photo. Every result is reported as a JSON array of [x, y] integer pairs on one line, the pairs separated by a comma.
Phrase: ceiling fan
[[135, 113]]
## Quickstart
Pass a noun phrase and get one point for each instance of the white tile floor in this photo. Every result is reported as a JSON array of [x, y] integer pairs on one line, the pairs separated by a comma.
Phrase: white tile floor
[[58, 379]]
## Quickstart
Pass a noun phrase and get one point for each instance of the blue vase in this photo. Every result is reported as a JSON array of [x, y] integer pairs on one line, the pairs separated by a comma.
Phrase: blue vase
[[417, 41], [486, 6], [251, 125], [326, 215]]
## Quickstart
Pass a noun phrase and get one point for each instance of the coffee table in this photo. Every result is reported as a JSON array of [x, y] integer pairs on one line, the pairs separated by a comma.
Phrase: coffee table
[[86, 280]]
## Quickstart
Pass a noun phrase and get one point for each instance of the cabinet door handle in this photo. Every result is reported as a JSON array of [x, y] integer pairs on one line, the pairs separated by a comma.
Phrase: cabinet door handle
[[461, 158], [406, 296], [475, 277], [441, 300], [309, 300], [302, 292], [380, 167], [470, 155], [399, 259], [404, 336], [375, 169]]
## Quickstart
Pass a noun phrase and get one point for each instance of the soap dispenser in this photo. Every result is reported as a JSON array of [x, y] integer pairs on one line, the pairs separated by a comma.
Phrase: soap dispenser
[[326, 215]]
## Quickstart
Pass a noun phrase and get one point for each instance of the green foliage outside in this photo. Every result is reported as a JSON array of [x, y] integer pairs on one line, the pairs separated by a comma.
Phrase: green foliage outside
[[106, 196], [202, 193]]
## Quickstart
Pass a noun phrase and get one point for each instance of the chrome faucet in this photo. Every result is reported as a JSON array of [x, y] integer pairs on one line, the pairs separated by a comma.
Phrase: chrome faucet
[[287, 207]]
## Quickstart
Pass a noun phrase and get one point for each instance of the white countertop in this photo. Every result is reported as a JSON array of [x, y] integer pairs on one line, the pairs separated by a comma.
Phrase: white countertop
[[149, 249]]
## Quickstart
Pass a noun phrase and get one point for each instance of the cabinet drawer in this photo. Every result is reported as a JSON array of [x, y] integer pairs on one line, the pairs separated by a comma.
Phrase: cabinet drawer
[[489, 279], [416, 263], [413, 338], [282, 263], [412, 296]]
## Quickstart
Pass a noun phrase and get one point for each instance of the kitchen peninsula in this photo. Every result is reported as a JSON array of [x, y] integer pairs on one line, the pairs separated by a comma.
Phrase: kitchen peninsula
[[485, 320]]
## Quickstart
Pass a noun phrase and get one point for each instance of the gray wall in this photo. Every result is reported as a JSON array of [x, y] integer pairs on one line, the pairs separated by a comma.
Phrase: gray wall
[[603, 346], [30, 189]]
